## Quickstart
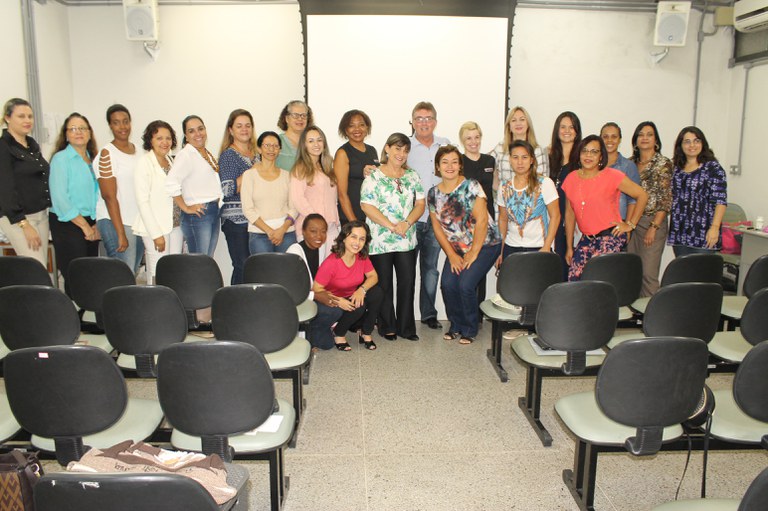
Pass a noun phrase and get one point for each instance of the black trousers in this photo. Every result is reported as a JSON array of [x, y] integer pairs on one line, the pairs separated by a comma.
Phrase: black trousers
[[365, 316], [70, 244], [400, 320]]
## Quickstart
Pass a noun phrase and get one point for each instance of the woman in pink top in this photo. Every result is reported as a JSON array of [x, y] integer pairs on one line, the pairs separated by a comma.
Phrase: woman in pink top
[[313, 183], [593, 203]]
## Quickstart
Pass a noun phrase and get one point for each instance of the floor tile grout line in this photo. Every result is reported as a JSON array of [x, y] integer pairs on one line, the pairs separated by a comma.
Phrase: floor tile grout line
[[362, 428]]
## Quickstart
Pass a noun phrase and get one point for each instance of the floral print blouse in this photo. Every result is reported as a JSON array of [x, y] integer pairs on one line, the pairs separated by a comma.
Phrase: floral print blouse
[[656, 179], [694, 197], [454, 212]]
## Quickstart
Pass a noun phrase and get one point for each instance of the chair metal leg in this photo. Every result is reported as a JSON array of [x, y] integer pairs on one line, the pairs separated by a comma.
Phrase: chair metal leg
[[299, 403], [275, 484], [584, 465], [494, 354], [531, 404], [304, 327]]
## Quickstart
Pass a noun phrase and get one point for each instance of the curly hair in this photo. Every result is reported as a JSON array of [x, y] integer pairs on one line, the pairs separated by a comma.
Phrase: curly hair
[[346, 230]]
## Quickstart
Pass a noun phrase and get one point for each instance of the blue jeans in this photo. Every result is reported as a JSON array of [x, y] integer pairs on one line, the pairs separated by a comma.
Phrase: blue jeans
[[429, 252], [132, 255], [202, 233], [259, 243], [237, 243], [460, 291], [681, 250]]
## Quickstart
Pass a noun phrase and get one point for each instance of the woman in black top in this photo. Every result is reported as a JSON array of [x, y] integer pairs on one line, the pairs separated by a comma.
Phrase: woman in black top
[[477, 166], [352, 162], [24, 195]]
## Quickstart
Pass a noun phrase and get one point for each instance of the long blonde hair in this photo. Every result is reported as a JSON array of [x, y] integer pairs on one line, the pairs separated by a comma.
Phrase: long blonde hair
[[304, 168], [530, 135]]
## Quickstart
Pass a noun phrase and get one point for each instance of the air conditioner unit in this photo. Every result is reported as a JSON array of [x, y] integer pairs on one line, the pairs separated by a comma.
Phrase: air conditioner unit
[[750, 15], [142, 22]]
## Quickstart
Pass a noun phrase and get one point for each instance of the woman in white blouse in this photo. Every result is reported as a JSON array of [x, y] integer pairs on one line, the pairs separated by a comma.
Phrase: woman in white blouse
[[195, 187], [158, 221]]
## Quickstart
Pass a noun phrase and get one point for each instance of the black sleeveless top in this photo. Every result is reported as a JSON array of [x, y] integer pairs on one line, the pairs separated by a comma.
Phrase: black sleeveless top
[[357, 161]]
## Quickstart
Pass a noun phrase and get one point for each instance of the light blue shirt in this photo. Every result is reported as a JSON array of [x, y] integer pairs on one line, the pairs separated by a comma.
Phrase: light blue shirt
[[629, 168], [74, 189], [422, 160]]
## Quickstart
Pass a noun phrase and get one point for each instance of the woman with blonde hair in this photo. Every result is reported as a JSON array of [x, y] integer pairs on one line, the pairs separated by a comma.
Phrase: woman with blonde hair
[[313, 184], [517, 126]]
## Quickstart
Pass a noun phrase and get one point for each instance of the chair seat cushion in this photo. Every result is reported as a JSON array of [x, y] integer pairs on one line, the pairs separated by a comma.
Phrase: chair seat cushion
[[733, 306], [583, 417], [493, 313], [294, 355], [700, 505], [730, 346], [307, 310], [98, 340], [625, 313], [8, 424], [3, 349], [641, 304], [523, 349], [125, 361], [140, 419], [247, 442], [625, 336], [730, 423]]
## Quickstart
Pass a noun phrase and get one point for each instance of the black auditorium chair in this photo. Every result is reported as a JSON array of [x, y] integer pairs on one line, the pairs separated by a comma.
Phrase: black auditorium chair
[[688, 268], [755, 280], [140, 321], [71, 398], [644, 390], [733, 345], [624, 271], [214, 393], [194, 277], [264, 316], [19, 270], [523, 277], [573, 318]]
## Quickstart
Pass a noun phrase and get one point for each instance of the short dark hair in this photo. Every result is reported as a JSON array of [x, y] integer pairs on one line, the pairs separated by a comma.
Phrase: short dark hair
[[611, 124], [310, 217], [184, 127], [266, 134], [603, 151], [635, 150], [117, 107], [347, 118], [706, 154], [447, 149], [346, 230], [152, 128]]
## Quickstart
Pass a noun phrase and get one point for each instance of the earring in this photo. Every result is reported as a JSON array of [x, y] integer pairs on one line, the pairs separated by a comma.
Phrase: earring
[[657, 147]]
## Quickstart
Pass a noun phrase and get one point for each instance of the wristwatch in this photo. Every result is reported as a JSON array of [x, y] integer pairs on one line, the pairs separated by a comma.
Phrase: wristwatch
[[23, 223]]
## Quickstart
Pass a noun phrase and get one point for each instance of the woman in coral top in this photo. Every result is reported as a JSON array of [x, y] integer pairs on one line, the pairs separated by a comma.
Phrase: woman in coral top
[[313, 183], [592, 194]]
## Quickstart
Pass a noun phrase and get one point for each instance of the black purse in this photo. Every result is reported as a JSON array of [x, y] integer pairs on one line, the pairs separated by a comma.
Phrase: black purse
[[19, 472]]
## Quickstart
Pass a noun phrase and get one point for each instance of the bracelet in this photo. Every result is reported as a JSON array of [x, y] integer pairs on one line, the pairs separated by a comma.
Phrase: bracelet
[[365, 291], [23, 223], [630, 224], [655, 225], [289, 217]]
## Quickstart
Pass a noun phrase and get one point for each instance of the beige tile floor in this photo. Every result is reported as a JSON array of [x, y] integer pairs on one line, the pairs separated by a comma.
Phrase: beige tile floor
[[428, 426]]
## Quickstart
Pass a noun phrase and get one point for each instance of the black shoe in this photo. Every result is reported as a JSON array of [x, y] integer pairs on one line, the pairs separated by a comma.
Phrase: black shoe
[[432, 323], [413, 337], [390, 337]]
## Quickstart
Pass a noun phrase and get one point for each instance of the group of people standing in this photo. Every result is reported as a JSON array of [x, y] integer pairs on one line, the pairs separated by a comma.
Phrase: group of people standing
[[360, 222]]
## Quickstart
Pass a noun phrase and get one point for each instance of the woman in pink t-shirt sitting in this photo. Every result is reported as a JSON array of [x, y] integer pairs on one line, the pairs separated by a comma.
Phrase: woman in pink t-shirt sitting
[[346, 292], [593, 203]]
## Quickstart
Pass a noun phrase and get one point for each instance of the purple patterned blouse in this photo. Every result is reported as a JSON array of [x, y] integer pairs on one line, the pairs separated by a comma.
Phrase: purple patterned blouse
[[694, 197]]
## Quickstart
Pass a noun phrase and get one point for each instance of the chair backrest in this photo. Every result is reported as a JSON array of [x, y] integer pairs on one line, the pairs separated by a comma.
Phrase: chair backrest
[[21, 270], [754, 319], [757, 276], [73, 491], [288, 270], [64, 393], [694, 268], [524, 276], [650, 384], [684, 310], [262, 315], [622, 269], [37, 316], [577, 317], [734, 213], [750, 384], [215, 389], [756, 496], [142, 321], [194, 277], [90, 277]]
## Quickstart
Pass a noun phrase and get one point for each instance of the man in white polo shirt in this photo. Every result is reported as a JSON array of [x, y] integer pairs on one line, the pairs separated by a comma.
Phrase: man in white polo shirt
[[424, 145]]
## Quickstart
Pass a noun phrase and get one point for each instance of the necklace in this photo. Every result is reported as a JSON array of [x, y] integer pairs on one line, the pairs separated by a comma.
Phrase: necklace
[[207, 156], [583, 178]]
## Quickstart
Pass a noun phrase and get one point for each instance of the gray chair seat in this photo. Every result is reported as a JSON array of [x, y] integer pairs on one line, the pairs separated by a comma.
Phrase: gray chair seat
[[98, 340], [246, 443], [588, 422], [625, 313], [3, 349], [523, 349], [641, 304], [140, 419], [700, 505], [635, 333], [733, 306], [293, 355], [8, 424], [729, 422], [307, 310], [125, 361], [494, 313], [729, 346]]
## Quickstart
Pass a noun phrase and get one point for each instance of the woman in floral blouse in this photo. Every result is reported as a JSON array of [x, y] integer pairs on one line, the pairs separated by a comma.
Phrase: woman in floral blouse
[[392, 198], [468, 236], [655, 177], [699, 195]]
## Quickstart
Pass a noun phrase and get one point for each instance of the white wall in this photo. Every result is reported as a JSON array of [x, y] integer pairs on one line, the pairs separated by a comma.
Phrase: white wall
[[14, 82]]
